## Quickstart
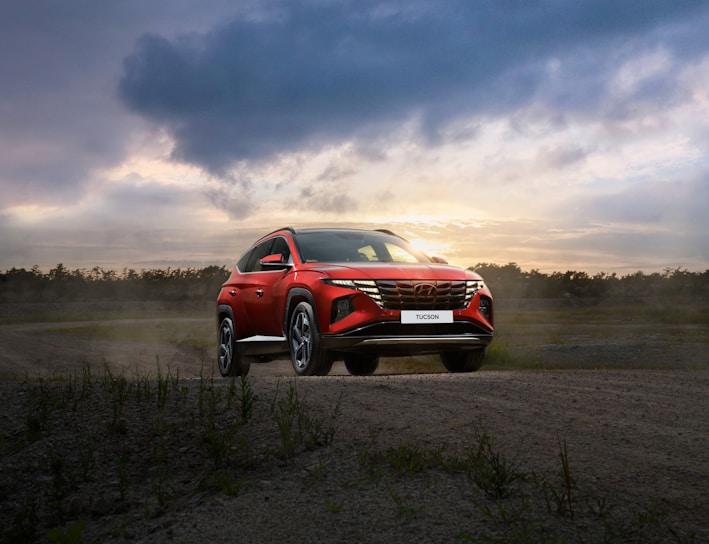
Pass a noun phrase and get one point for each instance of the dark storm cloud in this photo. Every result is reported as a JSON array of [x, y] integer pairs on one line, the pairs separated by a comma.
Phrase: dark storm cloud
[[59, 64], [314, 73]]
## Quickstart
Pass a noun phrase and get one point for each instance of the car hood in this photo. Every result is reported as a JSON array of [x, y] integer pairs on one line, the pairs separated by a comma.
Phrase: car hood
[[391, 271]]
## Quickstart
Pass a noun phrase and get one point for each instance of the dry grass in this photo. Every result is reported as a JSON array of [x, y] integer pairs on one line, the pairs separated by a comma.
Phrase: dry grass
[[529, 335]]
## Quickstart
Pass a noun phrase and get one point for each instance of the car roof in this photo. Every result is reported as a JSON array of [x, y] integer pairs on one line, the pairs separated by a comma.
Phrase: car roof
[[335, 229], [327, 229]]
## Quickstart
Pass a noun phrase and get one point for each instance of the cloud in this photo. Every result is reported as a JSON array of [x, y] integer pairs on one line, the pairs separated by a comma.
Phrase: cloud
[[677, 203], [234, 197], [560, 157], [549, 133], [54, 125], [59, 65], [134, 221], [313, 73], [329, 199]]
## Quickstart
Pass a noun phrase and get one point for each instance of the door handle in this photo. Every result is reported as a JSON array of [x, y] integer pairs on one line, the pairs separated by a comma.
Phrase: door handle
[[259, 293]]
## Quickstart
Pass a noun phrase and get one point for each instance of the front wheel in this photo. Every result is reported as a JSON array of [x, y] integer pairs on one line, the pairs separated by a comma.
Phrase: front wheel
[[463, 361], [231, 362], [304, 339], [361, 365]]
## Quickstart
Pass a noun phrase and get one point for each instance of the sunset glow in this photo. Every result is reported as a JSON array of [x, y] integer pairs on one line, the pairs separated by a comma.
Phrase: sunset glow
[[148, 136]]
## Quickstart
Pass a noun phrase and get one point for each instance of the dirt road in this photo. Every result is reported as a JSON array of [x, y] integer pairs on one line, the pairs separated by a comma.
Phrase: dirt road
[[637, 449], [636, 442]]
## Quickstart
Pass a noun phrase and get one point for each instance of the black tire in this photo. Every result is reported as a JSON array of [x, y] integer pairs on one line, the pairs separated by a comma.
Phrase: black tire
[[463, 361], [230, 361], [361, 365], [304, 340]]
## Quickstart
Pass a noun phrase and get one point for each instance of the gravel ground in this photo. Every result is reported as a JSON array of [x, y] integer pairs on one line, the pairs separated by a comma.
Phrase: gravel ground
[[129, 456], [386, 458]]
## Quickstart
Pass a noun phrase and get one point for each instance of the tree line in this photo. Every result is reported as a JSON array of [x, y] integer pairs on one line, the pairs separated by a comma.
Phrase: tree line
[[511, 281], [507, 281], [61, 284]]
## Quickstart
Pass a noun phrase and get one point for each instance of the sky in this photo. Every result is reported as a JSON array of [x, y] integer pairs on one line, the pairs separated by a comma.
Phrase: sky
[[553, 134]]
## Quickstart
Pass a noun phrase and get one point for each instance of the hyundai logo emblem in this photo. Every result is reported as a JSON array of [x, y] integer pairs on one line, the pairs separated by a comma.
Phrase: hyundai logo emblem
[[425, 290]]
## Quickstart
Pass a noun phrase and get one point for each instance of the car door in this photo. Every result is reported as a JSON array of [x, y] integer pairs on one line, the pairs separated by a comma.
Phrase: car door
[[261, 297]]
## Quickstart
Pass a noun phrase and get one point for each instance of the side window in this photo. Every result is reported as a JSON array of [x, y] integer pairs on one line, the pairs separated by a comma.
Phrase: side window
[[244, 261], [281, 246], [259, 252]]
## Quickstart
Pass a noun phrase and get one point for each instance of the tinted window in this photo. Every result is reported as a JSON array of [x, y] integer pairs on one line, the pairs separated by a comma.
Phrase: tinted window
[[244, 261], [355, 246], [259, 252], [281, 246]]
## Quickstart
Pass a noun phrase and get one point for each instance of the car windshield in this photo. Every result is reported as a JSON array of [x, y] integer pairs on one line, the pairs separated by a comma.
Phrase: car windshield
[[336, 246]]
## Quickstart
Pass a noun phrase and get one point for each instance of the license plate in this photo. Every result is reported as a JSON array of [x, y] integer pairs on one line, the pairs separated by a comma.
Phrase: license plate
[[426, 316]]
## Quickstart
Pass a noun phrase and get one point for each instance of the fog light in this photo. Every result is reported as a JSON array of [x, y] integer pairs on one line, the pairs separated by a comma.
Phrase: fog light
[[341, 308], [485, 308]]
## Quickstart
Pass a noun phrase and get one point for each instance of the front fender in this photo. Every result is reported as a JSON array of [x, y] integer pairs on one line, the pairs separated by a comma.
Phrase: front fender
[[295, 296]]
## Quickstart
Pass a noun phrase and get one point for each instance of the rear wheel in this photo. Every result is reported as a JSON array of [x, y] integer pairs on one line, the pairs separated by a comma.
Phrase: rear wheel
[[361, 365], [304, 339], [231, 362], [463, 361]]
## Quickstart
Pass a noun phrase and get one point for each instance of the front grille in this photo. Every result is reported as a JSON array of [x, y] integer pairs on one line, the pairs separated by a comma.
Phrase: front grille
[[426, 295]]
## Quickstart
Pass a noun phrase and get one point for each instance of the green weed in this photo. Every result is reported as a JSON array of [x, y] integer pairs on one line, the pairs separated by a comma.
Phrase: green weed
[[559, 499], [402, 502], [297, 429], [67, 535], [245, 397], [331, 506]]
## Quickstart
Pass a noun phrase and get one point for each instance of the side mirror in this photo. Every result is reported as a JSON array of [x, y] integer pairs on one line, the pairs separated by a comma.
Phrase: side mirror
[[439, 260], [273, 262]]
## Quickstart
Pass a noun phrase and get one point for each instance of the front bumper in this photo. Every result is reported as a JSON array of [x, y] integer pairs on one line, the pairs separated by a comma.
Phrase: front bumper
[[396, 339]]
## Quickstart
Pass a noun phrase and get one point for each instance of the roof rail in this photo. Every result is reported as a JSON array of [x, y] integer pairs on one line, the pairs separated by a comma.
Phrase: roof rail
[[289, 229], [387, 231]]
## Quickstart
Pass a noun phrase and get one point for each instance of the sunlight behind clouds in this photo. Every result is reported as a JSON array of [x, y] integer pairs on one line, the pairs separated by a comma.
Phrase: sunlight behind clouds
[[430, 248], [550, 134]]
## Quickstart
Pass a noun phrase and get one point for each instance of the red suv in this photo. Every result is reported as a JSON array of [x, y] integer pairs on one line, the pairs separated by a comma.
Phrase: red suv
[[323, 295]]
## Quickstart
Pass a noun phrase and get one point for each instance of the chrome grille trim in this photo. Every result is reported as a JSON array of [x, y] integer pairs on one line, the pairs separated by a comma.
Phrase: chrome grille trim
[[415, 294], [426, 294]]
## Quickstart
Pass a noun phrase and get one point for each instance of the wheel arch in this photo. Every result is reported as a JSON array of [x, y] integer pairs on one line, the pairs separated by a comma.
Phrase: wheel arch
[[295, 297], [224, 310]]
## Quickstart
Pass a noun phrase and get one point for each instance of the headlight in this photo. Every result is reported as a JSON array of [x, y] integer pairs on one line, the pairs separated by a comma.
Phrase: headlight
[[368, 287], [472, 287]]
